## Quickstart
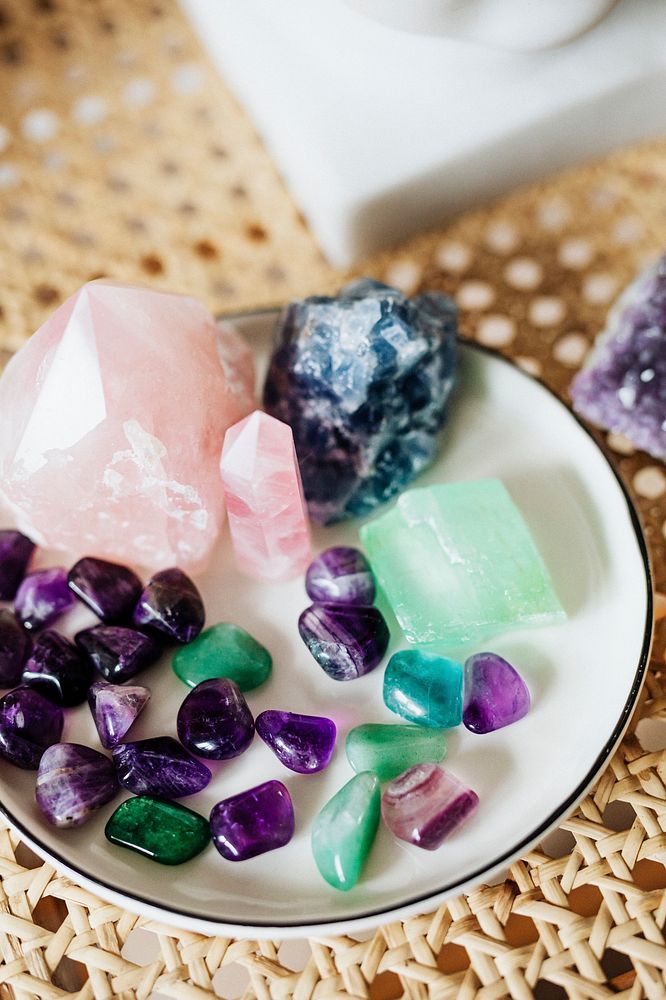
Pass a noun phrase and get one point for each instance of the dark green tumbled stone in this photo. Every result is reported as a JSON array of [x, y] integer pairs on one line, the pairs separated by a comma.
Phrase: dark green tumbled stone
[[163, 831], [224, 650]]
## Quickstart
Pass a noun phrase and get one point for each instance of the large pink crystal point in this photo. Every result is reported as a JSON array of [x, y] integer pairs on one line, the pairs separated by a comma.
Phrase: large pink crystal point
[[264, 497], [113, 419]]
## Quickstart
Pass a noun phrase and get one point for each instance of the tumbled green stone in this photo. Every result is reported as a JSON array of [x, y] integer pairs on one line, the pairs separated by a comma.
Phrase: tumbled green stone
[[164, 831], [224, 650], [344, 831], [388, 750], [424, 688]]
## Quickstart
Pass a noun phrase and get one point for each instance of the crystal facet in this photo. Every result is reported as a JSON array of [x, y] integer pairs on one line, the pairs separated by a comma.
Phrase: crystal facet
[[388, 750], [170, 607], [346, 641], [495, 693], [72, 782], [214, 720], [255, 821], [29, 723], [159, 766], [166, 832], [15, 554], [424, 688], [109, 589], [426, 804], [344, 831], [42, 597], [340, 575], [14, 649], [56, 668], [303, 743], [363, 380], [114, 709], [114, 414], [224, 650], [117, 653], [457, 563]]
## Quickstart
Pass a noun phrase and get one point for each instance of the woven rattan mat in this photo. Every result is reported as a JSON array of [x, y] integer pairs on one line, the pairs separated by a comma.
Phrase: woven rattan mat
[[121, 153]]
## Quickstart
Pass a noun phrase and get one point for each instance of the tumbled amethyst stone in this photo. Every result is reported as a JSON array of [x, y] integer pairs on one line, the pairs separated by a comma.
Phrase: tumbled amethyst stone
[[42, 597], [115, 708], [340, 575], [14, 648], [29, 723], [56, 668], [346, 641], [159, 766], [171, 606], [117, 653], [495, 695], [303, 743], [253, 822], [214, 721], [72, 782], [109, 589], [15, 553]]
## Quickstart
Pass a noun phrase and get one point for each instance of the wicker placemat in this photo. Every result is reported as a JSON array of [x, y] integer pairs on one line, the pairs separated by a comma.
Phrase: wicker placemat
[[121, 153]]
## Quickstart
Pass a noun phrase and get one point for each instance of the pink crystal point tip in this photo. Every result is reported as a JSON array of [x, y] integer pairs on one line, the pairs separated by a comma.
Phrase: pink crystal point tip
[[114, 414], [264, 498]]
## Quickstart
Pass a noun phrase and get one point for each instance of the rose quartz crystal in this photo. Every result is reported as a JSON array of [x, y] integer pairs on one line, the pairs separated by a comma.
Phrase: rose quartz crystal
[[264, 497], [113, 419]]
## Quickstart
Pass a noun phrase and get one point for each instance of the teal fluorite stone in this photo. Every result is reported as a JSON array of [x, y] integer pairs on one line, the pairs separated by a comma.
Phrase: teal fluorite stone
[[344, 831], [424, 688], [224, 650], [388, 750]]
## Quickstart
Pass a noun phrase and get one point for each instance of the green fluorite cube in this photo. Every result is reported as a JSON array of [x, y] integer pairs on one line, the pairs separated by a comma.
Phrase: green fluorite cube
[[457, 563], [388, 750], [224, 650]]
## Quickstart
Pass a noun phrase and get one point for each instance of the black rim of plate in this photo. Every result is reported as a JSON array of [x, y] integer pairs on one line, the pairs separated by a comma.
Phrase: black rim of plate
[[515, 851]]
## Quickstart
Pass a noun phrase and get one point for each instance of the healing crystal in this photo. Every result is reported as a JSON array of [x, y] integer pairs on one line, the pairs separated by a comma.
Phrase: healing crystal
[[457, 562], [214, 720], [495, 693], [29, 723], [159, 766], [344, 831], [110, 590], [72, 782], [264, 497], [42, 597], [425, 688], [363, 380], [14, 649], [15, 554], [114, 415], [303, 743], [623, 384], [170, 607], [224, 650], [167, 832], [426, 804], [345, 640], [253, 822], [117, 653], [388, 750], [114, 708], [57, 669], [340, 575]]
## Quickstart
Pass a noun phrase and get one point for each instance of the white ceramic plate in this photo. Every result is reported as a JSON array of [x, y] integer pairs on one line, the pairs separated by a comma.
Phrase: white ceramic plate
[[584, 675]]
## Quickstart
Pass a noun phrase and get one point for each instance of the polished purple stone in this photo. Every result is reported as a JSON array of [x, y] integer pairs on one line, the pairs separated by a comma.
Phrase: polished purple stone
[[42, 597], [29, 723], [109, 589], [56, 668], [340, 575], [14, 649], [495, 695], [214, 720], [114, 709], [171, 606], [15, 553], [72, 782], [159, 766], [253, 822], [303, 743], [346, 641], [117, 653], [426, 804]]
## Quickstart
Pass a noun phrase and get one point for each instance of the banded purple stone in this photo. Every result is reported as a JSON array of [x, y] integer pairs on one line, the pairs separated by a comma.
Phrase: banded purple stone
[[14, 648], [340, 575], [56, 668], [159, 766], [42, 597], [171, 606], [117, 653], [303, 743], [15, 554], [214, 720], [29, 723], [72, 782], [495, 695], [114, 708], [255, 821], [426, 804], [346, 641], [109, 589]]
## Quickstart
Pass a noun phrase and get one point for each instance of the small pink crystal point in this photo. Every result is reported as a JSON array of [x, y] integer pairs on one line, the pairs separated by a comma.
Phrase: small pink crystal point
[[264, 498], [113, 417]]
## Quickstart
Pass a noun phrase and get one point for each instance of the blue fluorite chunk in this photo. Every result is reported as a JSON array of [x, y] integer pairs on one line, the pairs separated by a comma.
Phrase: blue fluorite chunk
[[362, 379]]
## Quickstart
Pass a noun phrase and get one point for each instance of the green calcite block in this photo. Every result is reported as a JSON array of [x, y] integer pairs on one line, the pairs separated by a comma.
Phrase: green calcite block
[[424, 688], [457, 563], [224, 650], [344, 831], [388, 750], [164, 831]]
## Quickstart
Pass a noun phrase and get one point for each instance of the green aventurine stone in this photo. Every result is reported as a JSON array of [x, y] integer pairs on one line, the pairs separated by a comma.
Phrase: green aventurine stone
[[388, 750], [224, 650], [164, 831], [424, 688], [344, 831], [457, 563]]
